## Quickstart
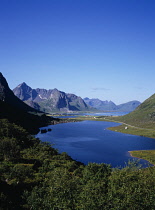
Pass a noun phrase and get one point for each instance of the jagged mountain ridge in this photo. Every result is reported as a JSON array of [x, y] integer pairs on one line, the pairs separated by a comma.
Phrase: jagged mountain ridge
[[51, 100], [111, 106]]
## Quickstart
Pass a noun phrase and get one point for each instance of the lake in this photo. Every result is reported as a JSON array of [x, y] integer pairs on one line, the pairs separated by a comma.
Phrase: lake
[[90, 141], [71, 115]]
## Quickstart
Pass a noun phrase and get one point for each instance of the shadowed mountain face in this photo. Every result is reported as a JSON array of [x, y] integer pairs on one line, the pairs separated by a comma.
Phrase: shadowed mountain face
[[13, 109], [51, 100], [111, 106], [7, 96]]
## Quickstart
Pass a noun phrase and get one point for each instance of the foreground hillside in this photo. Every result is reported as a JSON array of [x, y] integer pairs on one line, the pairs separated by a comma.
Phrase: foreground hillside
[[35, 176]]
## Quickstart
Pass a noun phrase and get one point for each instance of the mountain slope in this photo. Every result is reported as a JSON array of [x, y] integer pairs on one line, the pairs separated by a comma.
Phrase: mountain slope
[[51, 100], [18, 112], [7, 96], [143, 115]]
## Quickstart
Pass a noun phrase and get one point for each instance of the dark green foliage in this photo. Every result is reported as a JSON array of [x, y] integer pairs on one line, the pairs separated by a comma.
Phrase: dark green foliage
[[9, 149], [95, 186], [96, 172], [59, 191], [130, 189]]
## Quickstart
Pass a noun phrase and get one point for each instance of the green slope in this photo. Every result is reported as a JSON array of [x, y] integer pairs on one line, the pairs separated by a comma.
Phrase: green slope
[[143, 116]]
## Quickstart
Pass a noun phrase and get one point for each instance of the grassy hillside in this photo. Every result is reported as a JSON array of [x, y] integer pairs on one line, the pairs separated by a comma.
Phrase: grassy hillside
[[143, 116]]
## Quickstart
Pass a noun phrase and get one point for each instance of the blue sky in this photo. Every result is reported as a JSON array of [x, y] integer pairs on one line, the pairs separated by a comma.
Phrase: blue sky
[[93, 48]]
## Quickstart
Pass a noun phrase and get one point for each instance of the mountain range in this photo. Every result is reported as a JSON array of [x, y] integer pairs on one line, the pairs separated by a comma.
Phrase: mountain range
[[111, 106], [51, 100]]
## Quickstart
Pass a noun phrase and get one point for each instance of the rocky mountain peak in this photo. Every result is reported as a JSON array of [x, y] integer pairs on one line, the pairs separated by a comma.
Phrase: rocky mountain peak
[[24, 86], [22, 91], [51, 100]]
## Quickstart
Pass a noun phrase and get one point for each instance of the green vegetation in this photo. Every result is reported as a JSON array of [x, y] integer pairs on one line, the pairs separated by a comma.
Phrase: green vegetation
[[143, 116], [35, 176], [145, 154]]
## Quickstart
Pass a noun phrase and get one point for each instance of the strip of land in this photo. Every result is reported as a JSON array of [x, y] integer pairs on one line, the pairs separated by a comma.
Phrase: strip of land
[[148, 155]]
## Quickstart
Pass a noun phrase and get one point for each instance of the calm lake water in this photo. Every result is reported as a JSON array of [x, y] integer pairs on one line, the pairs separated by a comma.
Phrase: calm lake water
[[90, 141]]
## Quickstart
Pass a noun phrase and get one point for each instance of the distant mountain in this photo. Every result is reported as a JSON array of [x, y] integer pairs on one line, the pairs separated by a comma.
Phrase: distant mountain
[[101, 105], [111, 106], [143, 115], [13, 109], [51, 100]]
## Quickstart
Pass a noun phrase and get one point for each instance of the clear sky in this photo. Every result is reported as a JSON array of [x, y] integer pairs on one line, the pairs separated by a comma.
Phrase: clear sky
[[93, 48]]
